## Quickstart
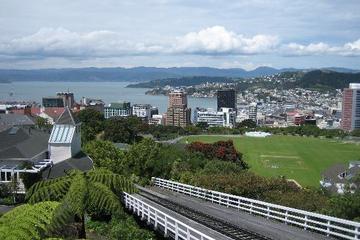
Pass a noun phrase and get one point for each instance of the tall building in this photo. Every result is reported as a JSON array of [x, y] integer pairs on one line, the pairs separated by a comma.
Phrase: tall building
[[117, 110], [351, 108], [226, 99], [253, 112], [67, 97], [178, 114]]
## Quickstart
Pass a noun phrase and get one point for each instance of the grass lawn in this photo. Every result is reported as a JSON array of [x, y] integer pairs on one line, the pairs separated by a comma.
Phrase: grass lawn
[[299, 158]]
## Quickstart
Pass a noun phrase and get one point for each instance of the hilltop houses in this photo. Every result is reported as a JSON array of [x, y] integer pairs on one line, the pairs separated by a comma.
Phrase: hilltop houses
[[339, 178], [25, 149]]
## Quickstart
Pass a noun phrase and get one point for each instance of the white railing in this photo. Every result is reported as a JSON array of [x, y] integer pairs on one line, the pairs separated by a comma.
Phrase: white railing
[[170, 226], [331, 226]]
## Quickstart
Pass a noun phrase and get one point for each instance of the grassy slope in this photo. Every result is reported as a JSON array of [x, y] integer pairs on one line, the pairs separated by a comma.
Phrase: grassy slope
[[299, 158]]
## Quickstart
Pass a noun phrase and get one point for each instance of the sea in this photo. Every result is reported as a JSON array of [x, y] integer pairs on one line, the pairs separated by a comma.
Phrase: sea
[[107, 91]]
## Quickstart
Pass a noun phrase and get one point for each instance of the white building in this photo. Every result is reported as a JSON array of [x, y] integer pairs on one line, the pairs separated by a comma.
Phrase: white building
[[210, 116], [229, 117], [157, 119], [142, 111], [117, 110], [65, 138], [253, 112], [223, 118]]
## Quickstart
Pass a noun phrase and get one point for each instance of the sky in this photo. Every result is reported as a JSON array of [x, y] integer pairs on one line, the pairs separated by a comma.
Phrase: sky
[[174, 33]]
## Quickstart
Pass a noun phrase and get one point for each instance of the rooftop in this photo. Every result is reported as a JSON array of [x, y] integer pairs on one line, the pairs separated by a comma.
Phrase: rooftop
[[67, 118], [9, 120], [80, 162], [22, 143]]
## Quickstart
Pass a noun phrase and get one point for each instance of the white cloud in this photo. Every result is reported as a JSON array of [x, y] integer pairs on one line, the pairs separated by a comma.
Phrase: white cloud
[[244, 65], [218, 40], [348, 49], [64, 43]]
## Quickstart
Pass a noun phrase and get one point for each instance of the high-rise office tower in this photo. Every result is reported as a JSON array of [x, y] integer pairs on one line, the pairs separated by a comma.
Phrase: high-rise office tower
[[226, 99], [178, 114], [253, 112], [351, 108]]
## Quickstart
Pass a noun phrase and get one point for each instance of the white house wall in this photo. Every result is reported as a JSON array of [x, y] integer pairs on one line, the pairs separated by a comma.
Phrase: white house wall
[[60, 152]]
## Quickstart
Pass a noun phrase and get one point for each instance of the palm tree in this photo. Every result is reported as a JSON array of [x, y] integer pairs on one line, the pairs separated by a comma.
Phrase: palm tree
[[79, 193]]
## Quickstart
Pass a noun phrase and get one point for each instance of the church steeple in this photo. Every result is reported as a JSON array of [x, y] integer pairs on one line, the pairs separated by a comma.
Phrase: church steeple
[[65, 138], [67, 118]]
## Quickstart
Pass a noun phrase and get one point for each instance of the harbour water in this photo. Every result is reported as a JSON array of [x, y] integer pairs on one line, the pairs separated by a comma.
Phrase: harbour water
[[107, 91]]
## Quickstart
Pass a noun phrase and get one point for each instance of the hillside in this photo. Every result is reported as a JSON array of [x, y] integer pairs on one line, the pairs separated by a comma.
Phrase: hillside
[[136, 74], [183, 81], [323, 79]]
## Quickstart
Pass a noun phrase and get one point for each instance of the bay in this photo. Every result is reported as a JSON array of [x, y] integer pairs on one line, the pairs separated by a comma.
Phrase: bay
[[107, 91]]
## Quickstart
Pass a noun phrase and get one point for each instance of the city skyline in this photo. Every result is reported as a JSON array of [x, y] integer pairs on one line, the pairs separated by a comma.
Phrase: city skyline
[[245, 34]]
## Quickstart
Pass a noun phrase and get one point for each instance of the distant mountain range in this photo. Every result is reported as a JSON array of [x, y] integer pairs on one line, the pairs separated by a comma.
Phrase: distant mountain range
[[137, 74]]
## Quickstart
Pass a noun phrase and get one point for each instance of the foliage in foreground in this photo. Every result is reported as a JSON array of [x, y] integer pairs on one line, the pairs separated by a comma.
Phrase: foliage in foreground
[[120, 227], [27, 221], [80, 193]]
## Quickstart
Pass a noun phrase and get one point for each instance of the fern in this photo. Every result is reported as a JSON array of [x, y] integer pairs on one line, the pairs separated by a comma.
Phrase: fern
[[80, 192], [27, 221]]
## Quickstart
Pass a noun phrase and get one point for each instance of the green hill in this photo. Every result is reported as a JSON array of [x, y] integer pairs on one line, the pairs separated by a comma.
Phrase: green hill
[[325, 79]]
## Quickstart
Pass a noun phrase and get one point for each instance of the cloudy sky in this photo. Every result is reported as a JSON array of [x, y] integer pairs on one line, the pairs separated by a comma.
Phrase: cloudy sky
[[166, 33]]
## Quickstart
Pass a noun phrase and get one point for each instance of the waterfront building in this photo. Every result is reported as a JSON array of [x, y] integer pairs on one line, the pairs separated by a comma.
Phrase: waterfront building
[[178, 114], [57, 102], [68, 98], [142, 111], [351, 108], [117, 110], [96, 104], [226, 99]]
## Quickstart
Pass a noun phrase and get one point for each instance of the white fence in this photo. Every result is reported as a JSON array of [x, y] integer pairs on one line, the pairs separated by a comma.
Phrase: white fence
[[171, 226], [330, 226]]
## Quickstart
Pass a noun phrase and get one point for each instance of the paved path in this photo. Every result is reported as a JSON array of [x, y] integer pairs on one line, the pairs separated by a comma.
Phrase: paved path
[[266, 227], [5, 208], [199, 227], [176, 140]]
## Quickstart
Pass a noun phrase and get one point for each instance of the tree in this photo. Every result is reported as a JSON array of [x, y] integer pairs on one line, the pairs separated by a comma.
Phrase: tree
[[92, 123], [105, 154], [80, 193], [124, 130], [27, 221], [355, 133], [142, 159], [42, 122], [345, 206], [248, 123], [202, 125]]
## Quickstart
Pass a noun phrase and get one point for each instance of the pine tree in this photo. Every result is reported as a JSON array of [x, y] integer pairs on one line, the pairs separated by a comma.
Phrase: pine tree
[[79, 193]]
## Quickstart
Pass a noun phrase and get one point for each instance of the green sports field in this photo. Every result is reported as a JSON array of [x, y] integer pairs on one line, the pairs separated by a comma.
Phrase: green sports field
[[299, 158]]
